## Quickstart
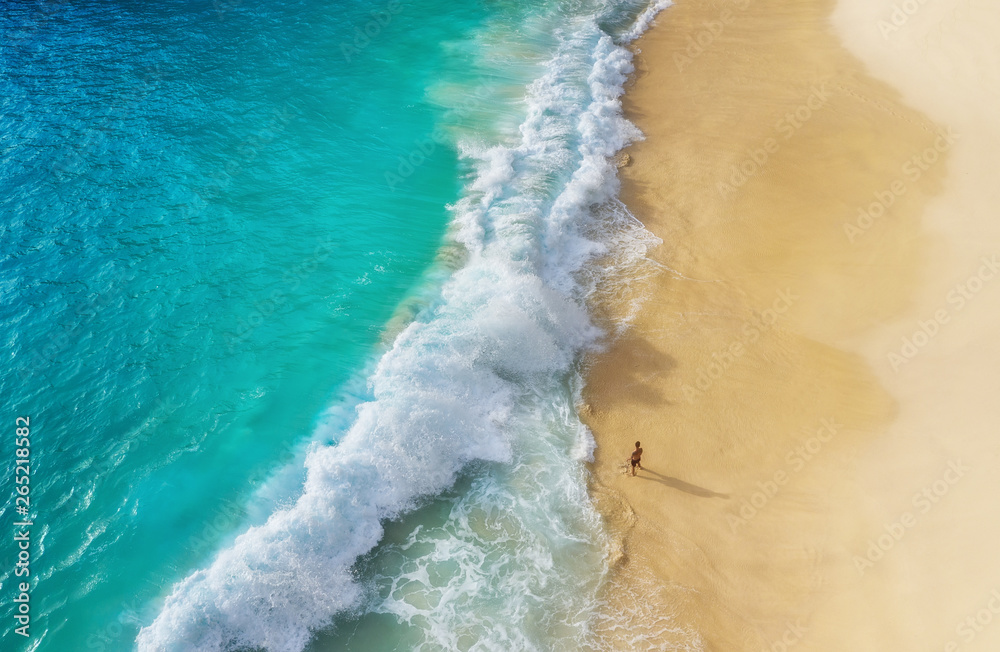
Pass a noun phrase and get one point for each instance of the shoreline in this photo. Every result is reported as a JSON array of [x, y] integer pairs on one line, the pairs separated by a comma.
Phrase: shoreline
[[806, 210]]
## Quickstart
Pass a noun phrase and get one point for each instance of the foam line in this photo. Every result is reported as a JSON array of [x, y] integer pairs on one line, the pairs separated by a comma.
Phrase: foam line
[[510, 323]]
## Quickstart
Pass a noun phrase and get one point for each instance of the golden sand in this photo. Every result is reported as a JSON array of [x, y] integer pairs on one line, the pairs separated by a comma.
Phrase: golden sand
[[793, 192]]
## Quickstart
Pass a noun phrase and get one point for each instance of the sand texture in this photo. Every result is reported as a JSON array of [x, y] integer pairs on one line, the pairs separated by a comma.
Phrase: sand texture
[[814, 370]]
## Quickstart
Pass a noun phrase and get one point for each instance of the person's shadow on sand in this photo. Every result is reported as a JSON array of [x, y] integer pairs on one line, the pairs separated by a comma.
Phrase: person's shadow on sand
[[676, 483]]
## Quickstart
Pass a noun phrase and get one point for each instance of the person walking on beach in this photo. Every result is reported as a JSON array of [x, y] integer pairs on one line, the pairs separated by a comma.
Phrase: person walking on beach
[[636, 458]]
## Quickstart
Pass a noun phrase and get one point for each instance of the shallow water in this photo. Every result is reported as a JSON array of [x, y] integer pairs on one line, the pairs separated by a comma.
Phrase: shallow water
[[318, 272]]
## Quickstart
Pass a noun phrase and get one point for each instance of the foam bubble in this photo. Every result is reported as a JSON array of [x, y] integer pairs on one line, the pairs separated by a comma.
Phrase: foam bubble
[[465, 381], [644, 21]]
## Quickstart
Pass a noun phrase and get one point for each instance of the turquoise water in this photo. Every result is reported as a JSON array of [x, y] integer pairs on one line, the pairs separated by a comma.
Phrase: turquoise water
[[294, 294]]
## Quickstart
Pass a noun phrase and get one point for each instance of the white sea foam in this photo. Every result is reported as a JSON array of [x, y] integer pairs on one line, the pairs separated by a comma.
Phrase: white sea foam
[[486, 373], [645, 19]]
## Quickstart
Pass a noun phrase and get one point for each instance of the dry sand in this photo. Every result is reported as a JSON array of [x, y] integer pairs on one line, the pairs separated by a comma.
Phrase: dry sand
[[823, 185]]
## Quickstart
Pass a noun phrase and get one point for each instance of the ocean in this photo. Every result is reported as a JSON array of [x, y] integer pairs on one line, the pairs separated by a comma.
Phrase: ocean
[[295, 297]]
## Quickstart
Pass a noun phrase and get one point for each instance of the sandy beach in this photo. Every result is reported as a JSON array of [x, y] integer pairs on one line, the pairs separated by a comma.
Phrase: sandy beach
[[812, 373]]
